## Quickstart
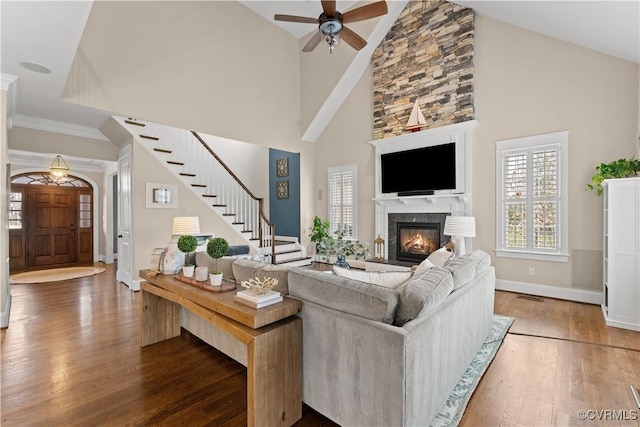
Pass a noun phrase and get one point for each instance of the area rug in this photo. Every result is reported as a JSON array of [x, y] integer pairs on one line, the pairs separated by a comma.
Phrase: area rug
[[54, 274], [452, 411]]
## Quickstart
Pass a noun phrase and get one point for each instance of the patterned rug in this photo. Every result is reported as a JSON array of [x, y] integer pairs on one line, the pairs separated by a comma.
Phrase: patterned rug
[[453, 410], [54, 274]]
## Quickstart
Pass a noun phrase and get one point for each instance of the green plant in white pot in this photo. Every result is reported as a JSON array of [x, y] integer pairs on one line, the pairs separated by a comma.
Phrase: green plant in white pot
[[187, 244], [216, 249]]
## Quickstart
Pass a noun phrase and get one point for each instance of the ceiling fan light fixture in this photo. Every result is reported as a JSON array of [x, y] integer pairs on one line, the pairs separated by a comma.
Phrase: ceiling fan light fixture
[[330, 27]]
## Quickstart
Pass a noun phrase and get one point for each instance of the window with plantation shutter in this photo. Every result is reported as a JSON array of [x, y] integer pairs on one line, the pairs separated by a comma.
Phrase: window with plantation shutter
[[532, 197], [342, 200]]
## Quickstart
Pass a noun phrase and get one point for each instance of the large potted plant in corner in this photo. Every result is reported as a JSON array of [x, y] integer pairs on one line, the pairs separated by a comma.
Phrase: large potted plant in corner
[[187, 244], [319, 233], [621, 168], [216, 249]]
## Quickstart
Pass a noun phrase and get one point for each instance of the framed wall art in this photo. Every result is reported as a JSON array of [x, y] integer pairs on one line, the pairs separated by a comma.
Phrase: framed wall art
[[282, 189], [282, 167], [162, 195]]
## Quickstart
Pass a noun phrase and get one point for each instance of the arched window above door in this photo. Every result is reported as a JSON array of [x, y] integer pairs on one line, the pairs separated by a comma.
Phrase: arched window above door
[[44, 178]]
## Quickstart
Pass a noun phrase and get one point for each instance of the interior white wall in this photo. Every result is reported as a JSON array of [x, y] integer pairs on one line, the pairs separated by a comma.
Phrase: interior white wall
[[5, 288]]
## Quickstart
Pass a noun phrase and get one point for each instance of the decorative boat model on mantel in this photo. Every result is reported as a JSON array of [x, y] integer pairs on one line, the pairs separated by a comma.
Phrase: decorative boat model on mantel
[[416, 119]]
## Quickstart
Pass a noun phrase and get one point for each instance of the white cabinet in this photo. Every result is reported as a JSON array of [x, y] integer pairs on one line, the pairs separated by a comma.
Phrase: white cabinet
[[621, 305]]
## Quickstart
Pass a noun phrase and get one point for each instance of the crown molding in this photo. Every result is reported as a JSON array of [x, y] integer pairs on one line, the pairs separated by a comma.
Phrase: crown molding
[[57, 127], [42, 161], [10, 86]]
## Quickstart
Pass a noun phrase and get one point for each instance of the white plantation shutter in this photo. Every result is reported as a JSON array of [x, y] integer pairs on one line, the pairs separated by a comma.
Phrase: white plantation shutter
[[531, 202], [342, 199]]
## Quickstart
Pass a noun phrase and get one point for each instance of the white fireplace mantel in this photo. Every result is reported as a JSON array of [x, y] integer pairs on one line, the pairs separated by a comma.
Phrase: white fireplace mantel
[[454, 202]]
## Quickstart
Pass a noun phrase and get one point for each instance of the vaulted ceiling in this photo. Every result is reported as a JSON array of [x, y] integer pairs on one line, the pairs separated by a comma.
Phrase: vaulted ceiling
[[48, 33]]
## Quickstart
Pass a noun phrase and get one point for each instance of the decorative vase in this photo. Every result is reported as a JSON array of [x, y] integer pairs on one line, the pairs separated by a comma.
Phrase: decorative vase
[[342, 262], [216, 279], [202, 273], [187, 270]]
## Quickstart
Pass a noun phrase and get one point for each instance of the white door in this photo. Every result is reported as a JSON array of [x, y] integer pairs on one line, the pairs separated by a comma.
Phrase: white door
[[125, 250]]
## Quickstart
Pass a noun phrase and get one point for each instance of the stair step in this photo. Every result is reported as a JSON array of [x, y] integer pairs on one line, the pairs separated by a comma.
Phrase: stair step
[[219, 206], [187, 174], [199, 185], [296, 261], [171, 162], [153, 138], [287, 252], [237, 223], [209, 195], [162, 150], [247, 231], [131, 122], [228, 214]]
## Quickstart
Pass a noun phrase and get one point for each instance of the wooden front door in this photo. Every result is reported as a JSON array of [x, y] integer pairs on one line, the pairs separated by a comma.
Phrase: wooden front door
[[51, 227]]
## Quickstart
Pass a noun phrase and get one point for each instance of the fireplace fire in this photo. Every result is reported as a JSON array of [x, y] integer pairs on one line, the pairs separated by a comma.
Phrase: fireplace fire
[[417, 240]]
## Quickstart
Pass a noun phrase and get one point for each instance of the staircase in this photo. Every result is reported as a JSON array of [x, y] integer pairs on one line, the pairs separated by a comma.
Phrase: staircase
[[188, 157]]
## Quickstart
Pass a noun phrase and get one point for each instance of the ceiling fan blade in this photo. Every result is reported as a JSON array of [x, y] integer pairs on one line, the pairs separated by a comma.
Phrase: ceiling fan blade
[[293, 18], [313, 43], [329, 7], [352, 39], [365, 12]]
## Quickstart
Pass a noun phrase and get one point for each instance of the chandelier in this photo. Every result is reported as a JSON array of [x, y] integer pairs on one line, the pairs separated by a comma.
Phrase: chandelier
[[58, 169]]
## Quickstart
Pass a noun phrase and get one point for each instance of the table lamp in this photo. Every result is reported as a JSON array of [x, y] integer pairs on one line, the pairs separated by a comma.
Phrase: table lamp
[[459, 227]]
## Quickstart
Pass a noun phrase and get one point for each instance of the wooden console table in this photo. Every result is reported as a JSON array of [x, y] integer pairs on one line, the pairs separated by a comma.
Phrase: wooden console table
[[272, 335]]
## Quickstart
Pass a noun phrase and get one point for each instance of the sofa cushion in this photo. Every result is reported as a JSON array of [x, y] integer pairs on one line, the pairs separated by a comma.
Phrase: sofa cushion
[[480, 258], [388, 279], [422, 293], [462, 269], [246, 269], [343, 294]]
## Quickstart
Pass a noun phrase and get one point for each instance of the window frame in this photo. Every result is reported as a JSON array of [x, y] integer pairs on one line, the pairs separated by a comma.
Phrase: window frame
[[351, 169], [560, 142]]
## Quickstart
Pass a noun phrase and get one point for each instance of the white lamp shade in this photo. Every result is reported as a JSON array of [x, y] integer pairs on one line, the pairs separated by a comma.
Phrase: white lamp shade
[[460, 226], [186, 225]]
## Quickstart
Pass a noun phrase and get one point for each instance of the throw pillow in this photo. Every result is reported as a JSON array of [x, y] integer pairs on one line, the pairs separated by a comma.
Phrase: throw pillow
[[388, 279], [440, 257], [424, 266]]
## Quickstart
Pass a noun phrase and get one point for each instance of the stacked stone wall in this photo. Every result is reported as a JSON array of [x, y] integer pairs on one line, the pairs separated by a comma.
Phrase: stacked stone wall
[[428, 55]]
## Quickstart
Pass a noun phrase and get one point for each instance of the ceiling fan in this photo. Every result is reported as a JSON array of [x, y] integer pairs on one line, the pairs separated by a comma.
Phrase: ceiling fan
[[331, 24]]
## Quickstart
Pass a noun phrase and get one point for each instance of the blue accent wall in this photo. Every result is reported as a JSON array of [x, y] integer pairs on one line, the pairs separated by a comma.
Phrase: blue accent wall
[[285, 213]]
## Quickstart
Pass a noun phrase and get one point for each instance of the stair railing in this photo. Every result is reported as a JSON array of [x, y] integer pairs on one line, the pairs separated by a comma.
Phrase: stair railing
[[226, 189]]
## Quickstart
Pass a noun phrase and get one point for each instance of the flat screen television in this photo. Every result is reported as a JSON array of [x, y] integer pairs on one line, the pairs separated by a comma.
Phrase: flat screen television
[[419, 171]]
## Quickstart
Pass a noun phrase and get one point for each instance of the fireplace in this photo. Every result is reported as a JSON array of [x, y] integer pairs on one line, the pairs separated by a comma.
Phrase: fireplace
[[403, 226], [416, 240]]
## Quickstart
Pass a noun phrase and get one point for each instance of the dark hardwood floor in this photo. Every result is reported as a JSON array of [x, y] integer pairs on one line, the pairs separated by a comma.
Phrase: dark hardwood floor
[[71, 357]]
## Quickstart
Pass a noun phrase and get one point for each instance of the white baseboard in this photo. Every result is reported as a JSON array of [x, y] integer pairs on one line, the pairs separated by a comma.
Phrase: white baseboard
[[571, 294], [4, 316], [135, 284]]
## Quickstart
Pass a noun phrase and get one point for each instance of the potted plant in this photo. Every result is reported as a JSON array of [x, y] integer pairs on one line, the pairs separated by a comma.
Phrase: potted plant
[[319, 233], [621, 168], [342, 248], [216, 249], [187, 244]]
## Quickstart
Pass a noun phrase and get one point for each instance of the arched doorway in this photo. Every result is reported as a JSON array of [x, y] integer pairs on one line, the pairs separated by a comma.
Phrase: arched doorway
[[50, 222]]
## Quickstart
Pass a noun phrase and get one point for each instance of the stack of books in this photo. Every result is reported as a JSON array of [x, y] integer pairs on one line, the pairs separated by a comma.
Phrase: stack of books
[[258, 301]]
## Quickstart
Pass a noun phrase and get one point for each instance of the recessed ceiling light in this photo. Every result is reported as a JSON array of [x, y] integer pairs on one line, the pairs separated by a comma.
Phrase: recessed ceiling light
[[32, 66]]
